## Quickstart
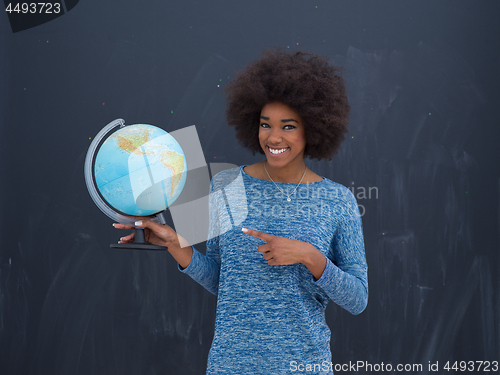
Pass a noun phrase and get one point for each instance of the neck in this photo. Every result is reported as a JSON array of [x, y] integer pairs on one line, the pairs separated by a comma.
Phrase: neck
[[289, 173]]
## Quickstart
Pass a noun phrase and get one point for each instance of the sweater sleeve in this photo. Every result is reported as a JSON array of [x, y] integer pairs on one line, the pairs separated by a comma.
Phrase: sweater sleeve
[[345, 278], [205, 269]]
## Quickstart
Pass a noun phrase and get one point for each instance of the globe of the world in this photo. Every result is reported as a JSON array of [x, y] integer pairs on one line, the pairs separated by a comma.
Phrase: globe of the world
[[138, 170]]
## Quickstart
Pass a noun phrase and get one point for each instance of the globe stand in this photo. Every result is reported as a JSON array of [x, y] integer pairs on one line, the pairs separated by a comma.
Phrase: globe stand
[[138, 244], [146, 169]]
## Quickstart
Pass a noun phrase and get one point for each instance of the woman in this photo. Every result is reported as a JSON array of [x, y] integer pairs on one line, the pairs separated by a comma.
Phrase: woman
[[301, 243]]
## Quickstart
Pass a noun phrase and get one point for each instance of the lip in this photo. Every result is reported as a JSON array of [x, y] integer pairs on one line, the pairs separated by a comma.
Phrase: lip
[[277, 148]]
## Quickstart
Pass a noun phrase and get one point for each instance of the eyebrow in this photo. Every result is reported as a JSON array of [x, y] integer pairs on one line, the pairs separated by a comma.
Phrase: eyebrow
[[283, 120]]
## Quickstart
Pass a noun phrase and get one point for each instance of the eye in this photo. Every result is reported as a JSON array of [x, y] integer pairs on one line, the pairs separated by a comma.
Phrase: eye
[[264, 125], [289, 127]]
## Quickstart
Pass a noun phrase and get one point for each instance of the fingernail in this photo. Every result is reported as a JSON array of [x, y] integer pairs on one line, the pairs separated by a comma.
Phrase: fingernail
[[244, 230], [138, 223], [121, 238]]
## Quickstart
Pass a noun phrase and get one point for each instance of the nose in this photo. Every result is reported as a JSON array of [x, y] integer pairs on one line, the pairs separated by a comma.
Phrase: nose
[[275, 136]]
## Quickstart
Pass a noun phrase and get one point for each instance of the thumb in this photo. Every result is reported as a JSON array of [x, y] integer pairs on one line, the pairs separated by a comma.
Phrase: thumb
[[154, 226], [162, 231]]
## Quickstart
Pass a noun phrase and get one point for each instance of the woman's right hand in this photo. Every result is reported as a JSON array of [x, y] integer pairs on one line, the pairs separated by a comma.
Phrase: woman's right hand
[[155, 234], [161, 235]]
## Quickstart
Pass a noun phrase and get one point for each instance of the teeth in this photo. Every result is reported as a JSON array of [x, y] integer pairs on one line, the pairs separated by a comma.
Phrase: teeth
[[277, 151]]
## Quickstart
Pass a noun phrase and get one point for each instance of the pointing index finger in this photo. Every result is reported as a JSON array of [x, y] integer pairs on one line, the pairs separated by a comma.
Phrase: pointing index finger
[[255, 233]]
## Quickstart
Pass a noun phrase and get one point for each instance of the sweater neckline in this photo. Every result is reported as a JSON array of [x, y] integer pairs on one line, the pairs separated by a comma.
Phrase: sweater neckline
[[283, 183]]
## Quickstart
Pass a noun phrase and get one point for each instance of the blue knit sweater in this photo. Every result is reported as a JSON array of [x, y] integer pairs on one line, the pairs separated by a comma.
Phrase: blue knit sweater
[[271, 319]]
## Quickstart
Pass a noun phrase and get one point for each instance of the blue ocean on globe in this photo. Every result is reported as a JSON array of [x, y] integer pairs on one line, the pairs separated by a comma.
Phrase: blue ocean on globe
[[140, 170]]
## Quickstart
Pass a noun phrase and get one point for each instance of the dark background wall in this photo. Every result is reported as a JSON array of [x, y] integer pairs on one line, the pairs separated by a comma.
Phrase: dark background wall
[[423, 84]]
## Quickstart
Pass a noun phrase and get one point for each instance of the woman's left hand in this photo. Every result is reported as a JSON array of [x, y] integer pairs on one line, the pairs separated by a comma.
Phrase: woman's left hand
[[283, 251]]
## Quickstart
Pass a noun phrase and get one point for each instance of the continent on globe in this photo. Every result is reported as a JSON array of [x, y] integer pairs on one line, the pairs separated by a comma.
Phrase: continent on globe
[[132, 139], [175, 162]]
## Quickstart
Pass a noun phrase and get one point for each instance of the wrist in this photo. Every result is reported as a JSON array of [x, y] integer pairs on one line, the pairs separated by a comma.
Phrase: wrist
[[174, 248], [177, 244], [182, 255], [308, 255], [315, 261]]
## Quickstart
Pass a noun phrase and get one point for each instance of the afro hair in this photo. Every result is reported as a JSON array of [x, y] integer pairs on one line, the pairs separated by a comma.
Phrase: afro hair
[[305, 82]]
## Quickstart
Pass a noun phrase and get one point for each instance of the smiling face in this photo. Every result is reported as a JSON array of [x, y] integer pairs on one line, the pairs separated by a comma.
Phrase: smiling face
[[282, 136]]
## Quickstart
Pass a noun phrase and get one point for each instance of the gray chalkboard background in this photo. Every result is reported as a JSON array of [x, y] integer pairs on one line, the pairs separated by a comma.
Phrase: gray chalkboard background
[[423, 82]]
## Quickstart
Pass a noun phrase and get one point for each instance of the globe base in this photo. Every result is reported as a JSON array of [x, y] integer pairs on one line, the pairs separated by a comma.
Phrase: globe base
[[138, 244]]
